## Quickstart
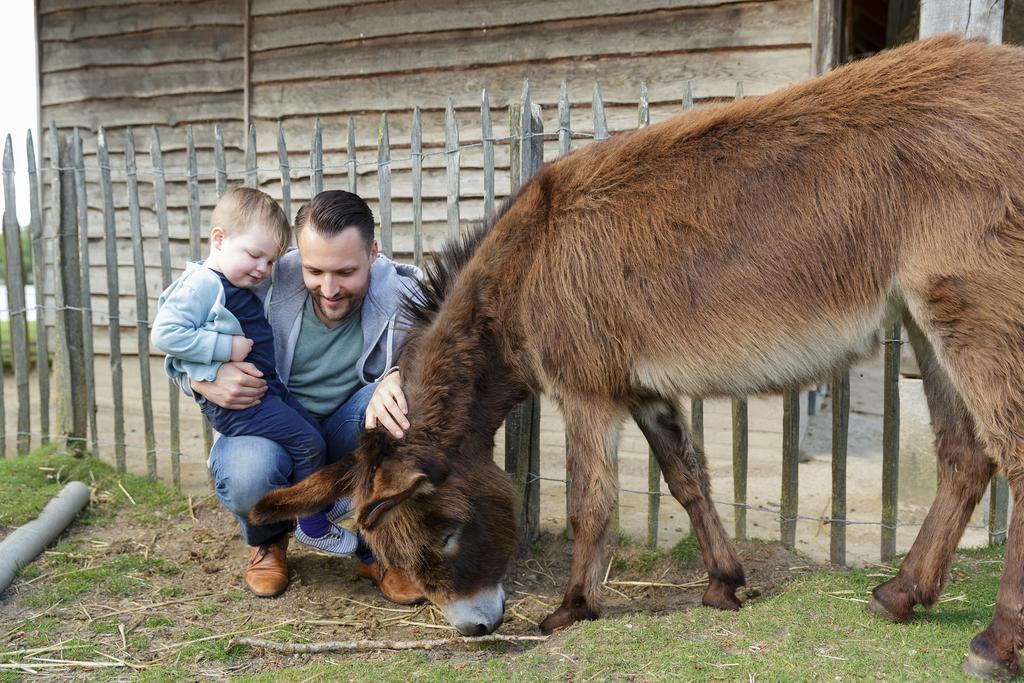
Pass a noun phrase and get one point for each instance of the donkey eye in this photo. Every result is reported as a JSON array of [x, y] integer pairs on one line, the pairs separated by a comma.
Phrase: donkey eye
[[449, 543]]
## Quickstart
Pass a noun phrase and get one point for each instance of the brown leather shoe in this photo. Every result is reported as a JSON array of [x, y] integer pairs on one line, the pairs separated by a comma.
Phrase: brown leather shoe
[[267, 572], [392, 582]]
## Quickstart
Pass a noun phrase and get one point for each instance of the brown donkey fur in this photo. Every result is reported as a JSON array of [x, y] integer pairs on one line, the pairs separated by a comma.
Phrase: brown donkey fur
[[746, 249]]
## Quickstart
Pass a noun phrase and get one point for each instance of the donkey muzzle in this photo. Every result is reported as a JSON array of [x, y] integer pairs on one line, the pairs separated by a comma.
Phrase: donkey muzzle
[[478, 614]]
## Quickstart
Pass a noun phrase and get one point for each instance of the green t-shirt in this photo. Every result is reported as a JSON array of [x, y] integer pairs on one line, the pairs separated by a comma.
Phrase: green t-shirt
[[324, 365]]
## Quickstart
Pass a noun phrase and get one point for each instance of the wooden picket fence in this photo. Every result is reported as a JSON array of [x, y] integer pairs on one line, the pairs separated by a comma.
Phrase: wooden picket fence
[[73, 316]]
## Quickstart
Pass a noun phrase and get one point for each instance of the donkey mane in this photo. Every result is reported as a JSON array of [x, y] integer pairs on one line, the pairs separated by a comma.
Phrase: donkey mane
[[440, 273]]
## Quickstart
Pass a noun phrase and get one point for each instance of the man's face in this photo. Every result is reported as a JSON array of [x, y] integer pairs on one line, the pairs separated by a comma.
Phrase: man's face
[[336, 271]]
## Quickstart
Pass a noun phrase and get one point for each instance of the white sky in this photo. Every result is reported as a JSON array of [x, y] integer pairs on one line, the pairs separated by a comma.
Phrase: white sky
[[18, 85]]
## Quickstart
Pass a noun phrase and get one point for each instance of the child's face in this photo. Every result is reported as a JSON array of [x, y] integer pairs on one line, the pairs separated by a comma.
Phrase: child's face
[[246, 258]]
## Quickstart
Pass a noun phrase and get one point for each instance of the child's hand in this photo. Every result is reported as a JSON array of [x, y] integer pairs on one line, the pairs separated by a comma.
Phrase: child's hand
[[240, 348]]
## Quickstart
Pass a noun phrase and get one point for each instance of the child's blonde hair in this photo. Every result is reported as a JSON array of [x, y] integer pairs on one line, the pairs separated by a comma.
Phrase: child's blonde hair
[[242, 208]]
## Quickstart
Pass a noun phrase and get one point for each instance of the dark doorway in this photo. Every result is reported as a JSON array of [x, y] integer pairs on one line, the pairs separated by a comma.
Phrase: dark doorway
[[870, 26]]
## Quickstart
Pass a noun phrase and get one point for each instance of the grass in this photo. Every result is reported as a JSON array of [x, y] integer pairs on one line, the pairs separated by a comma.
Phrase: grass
[[120, 576], [30, 481], [816, 630], [208, 650]]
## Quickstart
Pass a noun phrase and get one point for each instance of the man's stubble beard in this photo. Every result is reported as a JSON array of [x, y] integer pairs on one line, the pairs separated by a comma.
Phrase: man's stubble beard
[[354, 304]]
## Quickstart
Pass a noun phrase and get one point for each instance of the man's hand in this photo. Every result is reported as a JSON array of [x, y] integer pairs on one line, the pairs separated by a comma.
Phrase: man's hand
[[240, 348], [237, 386], [387, 406]]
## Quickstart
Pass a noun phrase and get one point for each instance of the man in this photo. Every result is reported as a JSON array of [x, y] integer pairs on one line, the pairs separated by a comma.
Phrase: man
[[333, 305]]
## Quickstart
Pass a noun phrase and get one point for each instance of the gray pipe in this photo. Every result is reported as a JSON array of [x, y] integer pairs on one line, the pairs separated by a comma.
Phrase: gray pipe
[[27, 541]]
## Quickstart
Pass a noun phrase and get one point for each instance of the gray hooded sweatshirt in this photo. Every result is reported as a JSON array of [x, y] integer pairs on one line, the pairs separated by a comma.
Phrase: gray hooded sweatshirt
[[384, 326]]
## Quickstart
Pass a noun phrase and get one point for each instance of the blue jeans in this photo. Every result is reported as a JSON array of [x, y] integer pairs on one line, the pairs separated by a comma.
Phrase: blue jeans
[[245, 468], [281, 418]]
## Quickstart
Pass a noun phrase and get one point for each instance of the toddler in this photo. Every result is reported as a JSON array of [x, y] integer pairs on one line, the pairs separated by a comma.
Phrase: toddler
[[210, 315]]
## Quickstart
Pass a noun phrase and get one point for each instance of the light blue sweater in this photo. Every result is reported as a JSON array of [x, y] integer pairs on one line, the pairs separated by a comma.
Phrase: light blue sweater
[[192, 325]]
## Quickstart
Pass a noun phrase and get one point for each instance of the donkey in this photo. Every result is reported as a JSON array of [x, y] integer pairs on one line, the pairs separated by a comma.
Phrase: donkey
[[746, 249]]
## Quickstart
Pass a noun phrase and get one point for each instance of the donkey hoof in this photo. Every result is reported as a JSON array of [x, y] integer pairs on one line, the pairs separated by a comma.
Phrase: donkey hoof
[[891, 601], [876, 608], [565, 617], [987, 669], [721, 595]]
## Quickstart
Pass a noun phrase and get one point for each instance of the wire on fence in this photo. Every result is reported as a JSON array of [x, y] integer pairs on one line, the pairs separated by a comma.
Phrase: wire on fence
[[530, 478], [301, 171], [760, 508]]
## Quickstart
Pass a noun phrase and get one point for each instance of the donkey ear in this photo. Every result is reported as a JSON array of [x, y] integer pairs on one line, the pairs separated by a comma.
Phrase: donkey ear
[[394, 482]]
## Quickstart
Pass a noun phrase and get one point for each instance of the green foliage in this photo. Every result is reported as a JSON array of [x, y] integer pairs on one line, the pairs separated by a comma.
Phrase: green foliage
[[686, 551], [7, 349], [26, 255]]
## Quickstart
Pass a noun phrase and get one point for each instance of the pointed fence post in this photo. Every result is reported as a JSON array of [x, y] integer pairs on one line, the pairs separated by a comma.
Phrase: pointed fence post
[[220, 162], [160, 208], [416, 152], [353, 179], [564, 147], [195, 243], [316, 160], [286, 176], [522, 426], [487, 138], [790, 497], [73, 423], [141, 303], [653, 469], [453, 159], [840, 391], [39, 282], [384, 185], [17, 315], [113, 299], [251, 175], [83, 255], [891, 439], [564, 127]]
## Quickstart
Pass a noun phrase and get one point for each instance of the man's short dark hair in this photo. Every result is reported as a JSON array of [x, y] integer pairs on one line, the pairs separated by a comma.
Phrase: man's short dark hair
[[332, 211]]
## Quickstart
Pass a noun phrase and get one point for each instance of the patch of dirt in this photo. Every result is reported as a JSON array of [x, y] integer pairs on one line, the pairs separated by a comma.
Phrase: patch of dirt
[[201, 594]]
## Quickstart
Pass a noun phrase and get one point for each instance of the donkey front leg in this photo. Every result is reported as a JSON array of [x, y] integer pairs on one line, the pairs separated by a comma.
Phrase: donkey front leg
[[592, 431], [685, 471]]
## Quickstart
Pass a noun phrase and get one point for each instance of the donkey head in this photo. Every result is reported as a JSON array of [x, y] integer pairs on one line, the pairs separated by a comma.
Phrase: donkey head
[[448, 523]]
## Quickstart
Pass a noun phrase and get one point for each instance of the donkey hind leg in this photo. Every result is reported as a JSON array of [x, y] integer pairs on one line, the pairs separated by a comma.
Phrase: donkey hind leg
[[964, 471], [685, 470], [592, 431]]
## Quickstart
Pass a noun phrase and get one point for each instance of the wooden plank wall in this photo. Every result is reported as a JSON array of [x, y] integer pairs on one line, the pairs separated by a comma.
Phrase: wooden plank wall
[[119, 63]]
